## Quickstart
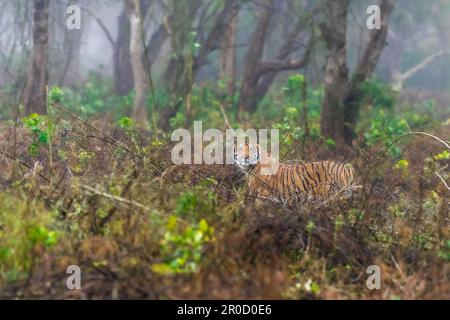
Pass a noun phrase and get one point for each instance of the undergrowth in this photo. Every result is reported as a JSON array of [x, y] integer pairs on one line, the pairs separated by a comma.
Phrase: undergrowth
[[100, 204]]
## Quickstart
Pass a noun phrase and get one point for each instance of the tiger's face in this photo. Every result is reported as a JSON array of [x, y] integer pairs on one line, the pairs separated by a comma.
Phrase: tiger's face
[[246, 155]]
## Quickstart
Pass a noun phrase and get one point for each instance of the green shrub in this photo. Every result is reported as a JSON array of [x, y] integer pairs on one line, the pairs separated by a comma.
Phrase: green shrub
[[191, 204], [22, 229], [96, 96], [42, 130], [183, 247]]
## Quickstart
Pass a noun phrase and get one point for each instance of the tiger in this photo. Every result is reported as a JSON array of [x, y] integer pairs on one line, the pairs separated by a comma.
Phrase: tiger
[[293, 181], [287, 182]]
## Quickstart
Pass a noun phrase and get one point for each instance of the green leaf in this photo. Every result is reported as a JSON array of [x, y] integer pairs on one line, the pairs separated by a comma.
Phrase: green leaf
[[43, 137], [203, 226], [55, 95], [33, 149], [444, 155], [402, 164], [330, 142], [126, 123]]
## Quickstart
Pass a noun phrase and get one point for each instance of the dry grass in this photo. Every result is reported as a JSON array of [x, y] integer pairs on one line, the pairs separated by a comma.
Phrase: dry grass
[[113, 228]]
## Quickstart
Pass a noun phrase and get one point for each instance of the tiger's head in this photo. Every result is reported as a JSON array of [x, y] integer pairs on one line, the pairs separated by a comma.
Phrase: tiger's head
[[246, 155]]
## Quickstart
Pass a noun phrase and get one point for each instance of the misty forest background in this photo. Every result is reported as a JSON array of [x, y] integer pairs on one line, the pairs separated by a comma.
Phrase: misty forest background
[[85, 123]]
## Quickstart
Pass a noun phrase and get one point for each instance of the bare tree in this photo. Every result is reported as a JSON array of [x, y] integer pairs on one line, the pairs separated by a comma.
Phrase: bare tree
[[186, 60], [70, 71], [398, 44], [156, 42], [122, 73], [137, 52], [365, 69], [16, 30], [227, 64], [343, 97], [334, 33], [259, 74], [35, 92], [398, 77]]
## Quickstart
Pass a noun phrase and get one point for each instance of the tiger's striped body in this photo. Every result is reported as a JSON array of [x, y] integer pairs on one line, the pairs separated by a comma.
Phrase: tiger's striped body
[[300, 182], [287, 182]]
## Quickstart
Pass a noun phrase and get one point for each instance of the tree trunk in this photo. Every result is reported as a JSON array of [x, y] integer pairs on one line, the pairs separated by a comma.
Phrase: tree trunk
[[252, 60], [72, 48], [227, 67], [258, 74], [178, 26], [269, 70], [334, 32], [366, 67], [156, 42], [342, 98], [35, 91], [140, 76], [185, 62], [123, 73]]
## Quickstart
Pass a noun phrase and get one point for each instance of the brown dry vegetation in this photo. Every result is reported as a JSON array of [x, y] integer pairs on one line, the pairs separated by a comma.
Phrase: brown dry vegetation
[[109, 213]]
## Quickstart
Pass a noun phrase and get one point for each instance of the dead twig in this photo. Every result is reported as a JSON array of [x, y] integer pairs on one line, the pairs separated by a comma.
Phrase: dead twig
[[443, 181], [225, 117], [24, 164], [113, 140], [446, 144], [115, 198], [117, 142]]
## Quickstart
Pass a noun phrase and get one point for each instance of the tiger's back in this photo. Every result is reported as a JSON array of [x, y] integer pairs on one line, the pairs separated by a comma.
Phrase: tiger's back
[[301, 182]]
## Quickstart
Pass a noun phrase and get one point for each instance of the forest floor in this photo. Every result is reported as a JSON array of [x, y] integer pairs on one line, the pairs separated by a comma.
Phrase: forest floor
[[94, 199]]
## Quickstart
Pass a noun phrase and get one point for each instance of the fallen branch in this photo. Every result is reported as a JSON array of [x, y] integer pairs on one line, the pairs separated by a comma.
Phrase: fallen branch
[[24, 164], [227, 122], [115, 198], [443, 181]]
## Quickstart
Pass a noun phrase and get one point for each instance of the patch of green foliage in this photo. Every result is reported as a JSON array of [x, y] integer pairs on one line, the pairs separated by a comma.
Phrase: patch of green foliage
[[42, 130], [191, 204], [207, 100], [56, 94], [383, 124], [291, 124], [94, 97], [24, 228], [183, 247], [444, 253]]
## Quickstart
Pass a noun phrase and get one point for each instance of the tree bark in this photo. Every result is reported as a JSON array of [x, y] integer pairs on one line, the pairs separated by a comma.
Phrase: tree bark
[[252, 60], [35, 90], [123, 73], [185, 63], [156, 42], [334, 32], [366, 67], [258, 74], [72, 49], [140, 76], [227, 65], [343, 98]]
